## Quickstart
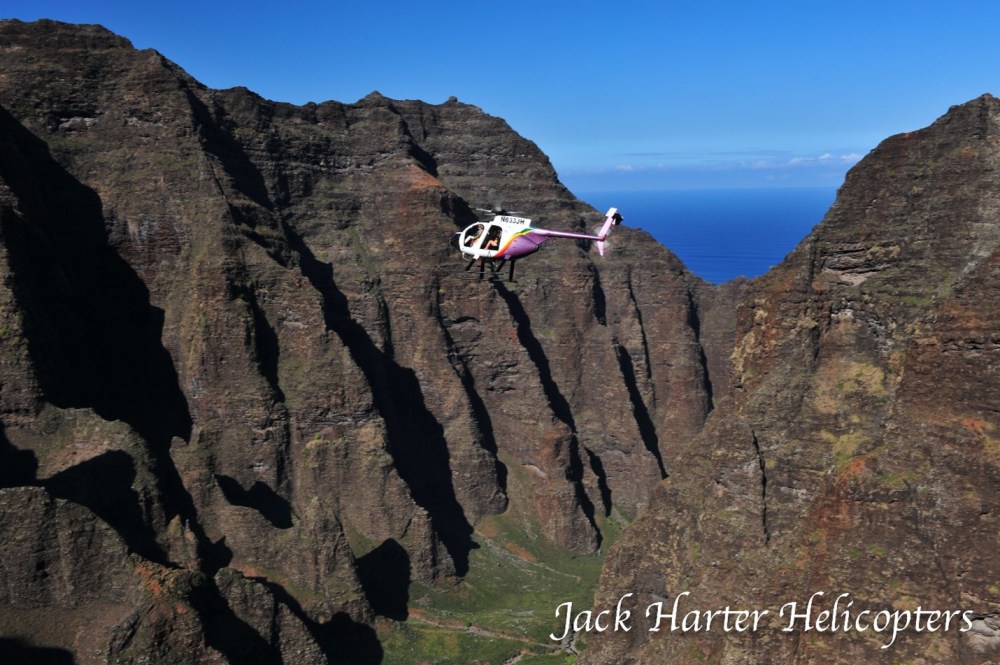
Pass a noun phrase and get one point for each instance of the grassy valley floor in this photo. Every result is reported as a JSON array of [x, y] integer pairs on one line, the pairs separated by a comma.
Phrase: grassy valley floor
[[504, 610]]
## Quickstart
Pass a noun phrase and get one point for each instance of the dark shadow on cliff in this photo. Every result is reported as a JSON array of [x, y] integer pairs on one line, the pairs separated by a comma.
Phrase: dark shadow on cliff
[[347, 642], [602, 480], [596, 465], [16, 652], [266, 347], [93, 335], [104, 485], [694, 322], [271, 505], [479, 411], [343, 640], [600, 300], [238, 641], [225, 632], [17, 467], [385, 576], [557, 402], [416, 439], [647, 430]]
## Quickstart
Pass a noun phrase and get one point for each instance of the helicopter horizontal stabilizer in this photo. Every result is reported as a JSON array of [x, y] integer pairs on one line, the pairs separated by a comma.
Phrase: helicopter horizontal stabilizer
[[610, 220]]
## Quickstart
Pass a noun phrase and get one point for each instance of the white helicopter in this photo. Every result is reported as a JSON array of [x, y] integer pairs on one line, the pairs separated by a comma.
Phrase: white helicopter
[[508, 237]]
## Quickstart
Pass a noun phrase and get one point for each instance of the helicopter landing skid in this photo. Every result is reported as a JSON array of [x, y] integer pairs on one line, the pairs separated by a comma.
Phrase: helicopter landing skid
[[495, 267]]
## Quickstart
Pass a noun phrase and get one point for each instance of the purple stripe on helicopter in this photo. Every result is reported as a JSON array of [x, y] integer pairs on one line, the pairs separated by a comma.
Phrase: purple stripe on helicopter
[[522, 244]]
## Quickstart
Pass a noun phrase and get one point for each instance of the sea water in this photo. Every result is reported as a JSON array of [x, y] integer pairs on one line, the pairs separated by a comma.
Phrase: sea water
[[721, 234]]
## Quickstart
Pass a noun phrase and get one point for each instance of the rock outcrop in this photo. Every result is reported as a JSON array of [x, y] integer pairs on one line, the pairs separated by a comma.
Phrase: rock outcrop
[[238, 382], [855, 450]]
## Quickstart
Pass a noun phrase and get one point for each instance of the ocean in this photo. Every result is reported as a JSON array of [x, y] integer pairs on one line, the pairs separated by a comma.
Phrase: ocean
[[721, 234]]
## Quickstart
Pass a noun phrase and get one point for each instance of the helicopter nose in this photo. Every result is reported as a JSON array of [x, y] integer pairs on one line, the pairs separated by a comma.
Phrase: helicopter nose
[[454, 239]]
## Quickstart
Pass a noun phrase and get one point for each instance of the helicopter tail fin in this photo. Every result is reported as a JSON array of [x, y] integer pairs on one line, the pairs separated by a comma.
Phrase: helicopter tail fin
[[613, 218]]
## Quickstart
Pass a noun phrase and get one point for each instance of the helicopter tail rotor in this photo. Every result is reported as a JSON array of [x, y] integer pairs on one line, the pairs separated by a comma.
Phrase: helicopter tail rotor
[[612, 219]]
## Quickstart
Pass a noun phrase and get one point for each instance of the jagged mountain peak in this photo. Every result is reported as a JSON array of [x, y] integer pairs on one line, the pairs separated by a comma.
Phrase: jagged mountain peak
[[58, 33]]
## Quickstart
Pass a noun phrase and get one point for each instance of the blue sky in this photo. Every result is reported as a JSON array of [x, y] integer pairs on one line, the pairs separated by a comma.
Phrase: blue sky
[[621, 95]]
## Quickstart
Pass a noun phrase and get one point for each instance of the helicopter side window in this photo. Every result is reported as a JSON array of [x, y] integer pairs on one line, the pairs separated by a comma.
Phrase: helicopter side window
[[492, 240], [472, 234]]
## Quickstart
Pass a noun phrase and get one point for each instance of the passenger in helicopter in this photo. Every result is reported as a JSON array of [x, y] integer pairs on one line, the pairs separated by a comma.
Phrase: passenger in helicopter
[[492, 239], [474, 235]]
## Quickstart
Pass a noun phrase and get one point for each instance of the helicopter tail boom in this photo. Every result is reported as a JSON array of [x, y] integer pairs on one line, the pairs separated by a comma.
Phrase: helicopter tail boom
[[611, 220]]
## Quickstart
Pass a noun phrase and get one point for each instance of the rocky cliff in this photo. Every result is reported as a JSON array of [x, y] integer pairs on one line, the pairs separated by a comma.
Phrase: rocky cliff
[[244, 404], [855, 449]]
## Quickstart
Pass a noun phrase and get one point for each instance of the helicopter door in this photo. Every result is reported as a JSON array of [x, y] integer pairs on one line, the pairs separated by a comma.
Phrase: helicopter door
[[492, 240]]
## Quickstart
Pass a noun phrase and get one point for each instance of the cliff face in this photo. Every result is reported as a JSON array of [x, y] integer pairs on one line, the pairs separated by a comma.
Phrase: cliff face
[[239, 388], [856, 448]]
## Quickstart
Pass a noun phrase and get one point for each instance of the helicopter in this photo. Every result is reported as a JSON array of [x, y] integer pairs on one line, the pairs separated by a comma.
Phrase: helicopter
[[508, 237]]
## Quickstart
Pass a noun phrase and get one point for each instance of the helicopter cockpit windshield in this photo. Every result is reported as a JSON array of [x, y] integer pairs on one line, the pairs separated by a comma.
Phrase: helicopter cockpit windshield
[[471, 235]]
